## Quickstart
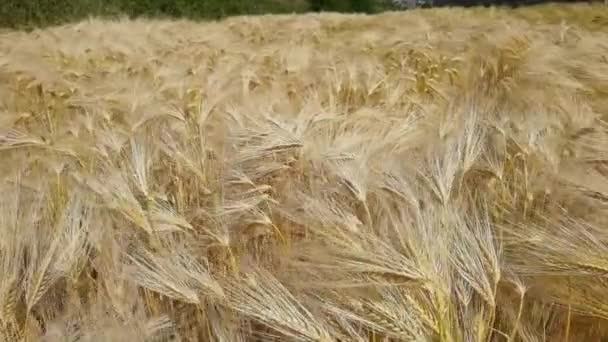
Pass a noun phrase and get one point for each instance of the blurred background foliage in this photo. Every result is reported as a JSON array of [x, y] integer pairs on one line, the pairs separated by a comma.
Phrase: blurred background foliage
[[35, 13], [26, 14]]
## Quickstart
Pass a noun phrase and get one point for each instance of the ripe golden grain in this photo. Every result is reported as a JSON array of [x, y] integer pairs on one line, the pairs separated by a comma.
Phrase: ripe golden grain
[[317, 177]]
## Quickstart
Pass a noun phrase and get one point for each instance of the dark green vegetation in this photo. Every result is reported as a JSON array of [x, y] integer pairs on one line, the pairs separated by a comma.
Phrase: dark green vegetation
[[36, 13]]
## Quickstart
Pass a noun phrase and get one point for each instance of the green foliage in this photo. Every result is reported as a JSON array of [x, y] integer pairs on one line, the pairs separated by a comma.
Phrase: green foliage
[[27, 13], [34, 13], [367, 6]]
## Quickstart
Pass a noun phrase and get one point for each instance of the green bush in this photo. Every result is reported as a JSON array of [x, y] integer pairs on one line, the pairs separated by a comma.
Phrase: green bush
[[367, 6], [36, 13], [26, 13]]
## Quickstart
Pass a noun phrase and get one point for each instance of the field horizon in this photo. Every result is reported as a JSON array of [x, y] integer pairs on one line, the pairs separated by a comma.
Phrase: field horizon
[[429, 175]]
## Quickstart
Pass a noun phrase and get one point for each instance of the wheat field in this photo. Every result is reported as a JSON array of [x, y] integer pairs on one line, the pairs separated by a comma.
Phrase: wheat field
[[433, 175]]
